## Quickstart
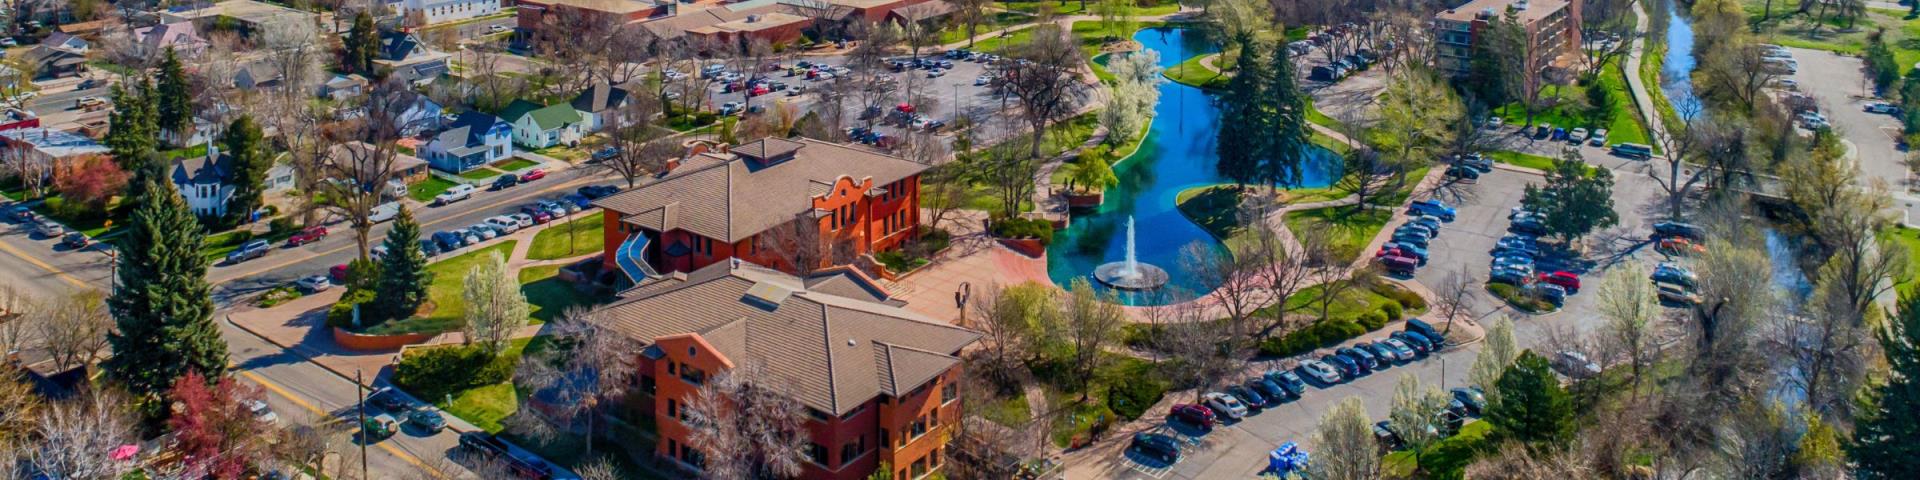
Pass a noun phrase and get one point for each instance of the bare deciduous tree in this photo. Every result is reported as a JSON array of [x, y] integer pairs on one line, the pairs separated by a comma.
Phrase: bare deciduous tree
[[593, 371], [1454, 299], [639, 148], [1047, 85], [1238, 289], [358, 168], [747, 425], [72, 436], [1631, 307], [73, 328]]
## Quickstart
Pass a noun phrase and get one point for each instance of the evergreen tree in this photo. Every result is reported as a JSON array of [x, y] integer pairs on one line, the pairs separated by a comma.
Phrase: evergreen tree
[[1531, 407], [132, 131], [1573, 203], [1286, 107], [174, 108], [1883, 444], [403, 271], [363, 45], [1242, 120], [1881, 66], [245, 146], [162, 306]]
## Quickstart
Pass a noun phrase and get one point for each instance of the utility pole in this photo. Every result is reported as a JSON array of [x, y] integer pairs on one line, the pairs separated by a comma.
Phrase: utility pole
[[361, 409]]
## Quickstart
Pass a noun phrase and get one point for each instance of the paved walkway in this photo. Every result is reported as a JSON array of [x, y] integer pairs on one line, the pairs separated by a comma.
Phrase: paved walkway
[[972, 265], [1641, 99]]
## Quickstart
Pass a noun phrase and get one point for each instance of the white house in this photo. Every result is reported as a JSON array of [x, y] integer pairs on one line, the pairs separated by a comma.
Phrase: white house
[[442, 11], [538, 127], [603, 105], [472, 140], [202, 181]]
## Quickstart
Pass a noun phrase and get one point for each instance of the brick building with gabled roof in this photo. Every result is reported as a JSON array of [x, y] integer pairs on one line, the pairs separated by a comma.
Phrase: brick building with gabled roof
[[880, 382]]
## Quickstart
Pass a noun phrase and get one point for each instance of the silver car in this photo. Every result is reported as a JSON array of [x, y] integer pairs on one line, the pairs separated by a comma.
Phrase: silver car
[[484, 231]]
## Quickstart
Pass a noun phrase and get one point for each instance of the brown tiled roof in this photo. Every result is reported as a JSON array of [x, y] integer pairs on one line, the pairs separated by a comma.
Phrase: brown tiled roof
[[833, 352], [729, 197]]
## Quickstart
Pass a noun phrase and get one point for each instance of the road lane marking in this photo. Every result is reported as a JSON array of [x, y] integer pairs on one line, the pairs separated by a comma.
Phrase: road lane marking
[[43, 265], [351, 245], [276, 389]]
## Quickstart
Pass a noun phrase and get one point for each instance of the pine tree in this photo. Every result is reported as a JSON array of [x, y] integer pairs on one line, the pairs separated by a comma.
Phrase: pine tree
[[162, 306], [1531, 407], [245, 146], [174, 108], [1242, 122], [403, 271], [1883, 444], [1286, 140], [131, 128], [1573, 203], [363, 45]]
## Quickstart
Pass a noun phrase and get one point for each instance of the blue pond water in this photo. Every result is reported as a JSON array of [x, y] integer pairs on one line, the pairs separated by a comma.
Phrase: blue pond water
[[1178, 154]]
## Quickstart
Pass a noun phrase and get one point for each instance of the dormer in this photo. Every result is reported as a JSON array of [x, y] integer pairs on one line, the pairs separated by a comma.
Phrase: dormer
[[768, 152]]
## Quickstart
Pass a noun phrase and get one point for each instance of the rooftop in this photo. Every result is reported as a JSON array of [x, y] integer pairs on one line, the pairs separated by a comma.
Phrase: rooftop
[[248, 11], [610, 6], [1534, 9], [57, 143], [834, 338]]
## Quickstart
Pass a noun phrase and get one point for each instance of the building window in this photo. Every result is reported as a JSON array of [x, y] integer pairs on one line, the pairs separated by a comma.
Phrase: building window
[[692, 375], [817, 454], [886, 438], [949, 392], [919, 427], [647, 384], [673, 408]]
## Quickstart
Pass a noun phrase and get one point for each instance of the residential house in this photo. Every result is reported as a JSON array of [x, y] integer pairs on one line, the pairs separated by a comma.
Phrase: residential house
[[60, 55], [472, 140], [256, 74], [63, 40], [1553, 26], [342, 87], [443, 11], [603, 105], [14, 118], [245, 16], [537, 127], [720, 203], [880, 383], [182, 37], [409, 58], [420, 116], [405, 169], [205, 182]]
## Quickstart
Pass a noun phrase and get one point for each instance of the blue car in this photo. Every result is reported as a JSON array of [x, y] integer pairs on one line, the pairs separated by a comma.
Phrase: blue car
[[429, 247], [1275, 395], [1347, 366], [1411, 250], [1435, 208], [448, 241], [1288, 381], [579, 200], [1360, 358]]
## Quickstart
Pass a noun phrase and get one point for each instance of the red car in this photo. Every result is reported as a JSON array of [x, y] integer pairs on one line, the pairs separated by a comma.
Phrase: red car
[[310, 235], [534, 174], [338, 273], [540, 215], [1563, 278], [1193, 414], [758, 90]]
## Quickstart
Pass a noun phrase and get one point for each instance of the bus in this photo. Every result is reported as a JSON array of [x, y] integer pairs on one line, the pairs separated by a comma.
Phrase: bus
[[1633, 151]]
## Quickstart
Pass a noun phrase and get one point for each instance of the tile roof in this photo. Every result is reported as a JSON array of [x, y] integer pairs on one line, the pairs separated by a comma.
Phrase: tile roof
[[834, 352], [730, 197]]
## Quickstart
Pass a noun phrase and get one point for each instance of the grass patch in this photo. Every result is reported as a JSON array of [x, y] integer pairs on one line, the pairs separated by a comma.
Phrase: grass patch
[[189, 152], [577, 235], [425, 190], [487, 405], [1077, 7], [1449, 454], [1349, 303], [513, 164], [1350, 229], [1620, 117], [480, 174], [549, 295], [1518, 159], [1002, 19], [564, 153], [1908, 238], [449, 309], [1193, 73], [1011, 411], [1215, 208]]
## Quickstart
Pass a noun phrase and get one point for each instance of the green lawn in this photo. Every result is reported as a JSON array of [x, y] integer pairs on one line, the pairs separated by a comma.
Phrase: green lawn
[[1011, 411], [957, 32], [575, 236], [514, 164], [1349, 303], [1620, 117], [1215, 208], [1910, 239], [189, 152], [449, 309], [1078, 7], [549, 294], [486, 406], [565, 153], [1448, 454], [425, 190], [481, 174], [1193, 73], [1522, 160], [1315, 117], [1351, 230]]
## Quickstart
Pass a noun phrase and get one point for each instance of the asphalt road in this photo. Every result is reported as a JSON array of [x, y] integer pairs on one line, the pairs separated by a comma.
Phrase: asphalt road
[[1239, 450]]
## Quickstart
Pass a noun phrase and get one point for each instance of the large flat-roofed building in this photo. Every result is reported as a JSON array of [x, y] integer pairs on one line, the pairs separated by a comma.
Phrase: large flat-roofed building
[[1553, 26], [249, 15], [536, 14]]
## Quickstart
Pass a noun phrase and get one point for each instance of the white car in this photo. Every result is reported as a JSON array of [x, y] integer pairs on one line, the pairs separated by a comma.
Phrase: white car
[[455, 194], [1225, 405], [313, 284], [673, 75], [262, 412], [484, 230], [1598, 139], [1577, 135], [936, 73], [1496, 122], [982, 80], [524, 220], [504, 223], [1881, 107], [384, 212], [1320, 371], [496, 28]]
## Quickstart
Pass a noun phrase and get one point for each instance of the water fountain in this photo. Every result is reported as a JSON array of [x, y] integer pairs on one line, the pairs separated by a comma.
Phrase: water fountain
[[1130, 274]]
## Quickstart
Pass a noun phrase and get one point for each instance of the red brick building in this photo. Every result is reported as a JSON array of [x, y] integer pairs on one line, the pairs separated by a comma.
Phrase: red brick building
[[534, 14], [880, 383], [746, 202]]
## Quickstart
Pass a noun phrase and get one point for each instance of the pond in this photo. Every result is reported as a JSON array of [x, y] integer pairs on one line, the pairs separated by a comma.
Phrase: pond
[[1178, 154]]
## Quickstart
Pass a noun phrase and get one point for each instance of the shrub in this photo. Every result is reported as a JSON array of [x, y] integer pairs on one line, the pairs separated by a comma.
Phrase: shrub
[[704, 118], [1024, 228], [1140, 334], [898, 261], [1373, 320], [1319, 334], [1393, 311], [278, 295], [341, 313], [433, 372], [1406, 298], [1512, 295], [1131, 396], [281, 224]]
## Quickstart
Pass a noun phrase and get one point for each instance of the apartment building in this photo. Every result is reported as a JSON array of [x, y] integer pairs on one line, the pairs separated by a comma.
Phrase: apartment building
[[1552, 25]]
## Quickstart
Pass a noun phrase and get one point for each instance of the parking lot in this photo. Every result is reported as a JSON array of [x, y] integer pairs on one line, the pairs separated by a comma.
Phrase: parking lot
[[1239, 450]]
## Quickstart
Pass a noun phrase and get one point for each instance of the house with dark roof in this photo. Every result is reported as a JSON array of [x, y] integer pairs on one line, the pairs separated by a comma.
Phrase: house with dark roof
[[760, 202], [603, 105], [472, 140], [536, 126], [880, 383], [409, 58], [181, 36], [204, 181]]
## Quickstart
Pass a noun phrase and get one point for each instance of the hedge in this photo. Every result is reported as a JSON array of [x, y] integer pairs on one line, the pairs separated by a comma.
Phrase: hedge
[[341, 313], [1373, 320], [1393, 311], [433, 372], [1024, 228], [1320, 334]]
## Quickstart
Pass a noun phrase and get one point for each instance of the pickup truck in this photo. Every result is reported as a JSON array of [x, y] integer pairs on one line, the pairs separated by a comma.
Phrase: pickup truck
[[455, 194]]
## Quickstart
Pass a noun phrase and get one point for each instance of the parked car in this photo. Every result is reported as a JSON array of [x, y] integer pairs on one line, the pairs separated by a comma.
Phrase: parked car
[[1470, 399], [446, 241], [534, 174], [504, 223], [483, 445], [1598, 139], [1575, 365], [521, 218], [1192, 414], [1435, 208], [1225, 405], [1348, 367], [505, 181], [1563, 278], [1320, 371], [1387, 355], [1883, 107], [306, 236], [1268, 388], [1577, 136], [378, 427], [467, 237], [1156, 446], [1365, 359], [76, 240], [1248, 397], [596, 192], [578, 201], [1291, 382], [1419, 346], [454, 194], [384, 212], [483, 230], [429, 247], [1679, 246], [1400, 349], [427, 419], [313, 284], [1669, 272], [1553, 294], [538, 214], [1412, 238], [1399, 265], [1676, 294], [1679, 229], [1429, 232], [248, 251], [563, 204]]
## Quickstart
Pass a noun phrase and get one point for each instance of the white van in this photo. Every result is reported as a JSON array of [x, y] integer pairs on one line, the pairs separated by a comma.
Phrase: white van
[[455, 194]]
